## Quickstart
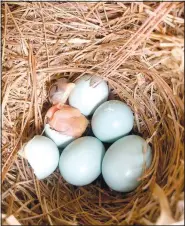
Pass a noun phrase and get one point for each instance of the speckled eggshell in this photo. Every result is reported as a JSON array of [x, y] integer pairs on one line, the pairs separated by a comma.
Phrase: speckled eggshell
[[87, 98], [123, 163], [112, 120], [80, 162]]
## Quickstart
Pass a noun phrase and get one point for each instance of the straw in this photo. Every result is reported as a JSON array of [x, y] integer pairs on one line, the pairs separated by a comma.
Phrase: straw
[[138, 48]]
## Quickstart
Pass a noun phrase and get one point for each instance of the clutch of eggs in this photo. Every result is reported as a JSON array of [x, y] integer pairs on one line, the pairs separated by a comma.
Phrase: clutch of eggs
[[84, 159]]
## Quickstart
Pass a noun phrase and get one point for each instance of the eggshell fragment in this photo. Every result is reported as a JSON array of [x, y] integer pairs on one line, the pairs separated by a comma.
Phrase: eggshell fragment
[[89, 92], [43, 156], [61, 140]]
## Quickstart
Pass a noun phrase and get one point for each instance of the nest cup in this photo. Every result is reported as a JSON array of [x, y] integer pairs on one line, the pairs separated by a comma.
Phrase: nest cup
[[46, 41]]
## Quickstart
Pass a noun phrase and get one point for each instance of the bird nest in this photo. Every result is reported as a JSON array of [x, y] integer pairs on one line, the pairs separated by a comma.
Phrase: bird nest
[[138, 49]]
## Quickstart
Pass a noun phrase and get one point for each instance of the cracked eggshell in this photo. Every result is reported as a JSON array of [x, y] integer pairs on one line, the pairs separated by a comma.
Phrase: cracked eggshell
[[87, 98], [42, 155], [61, 140]]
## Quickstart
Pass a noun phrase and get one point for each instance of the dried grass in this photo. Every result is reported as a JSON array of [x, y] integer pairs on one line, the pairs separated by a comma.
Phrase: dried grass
[[138, 48]]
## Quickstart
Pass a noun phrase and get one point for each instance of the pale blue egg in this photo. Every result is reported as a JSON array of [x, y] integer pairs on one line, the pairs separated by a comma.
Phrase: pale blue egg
[[123, 163], [80, 162], [87, 98], [61, 140], [42, 155], [112, 120]]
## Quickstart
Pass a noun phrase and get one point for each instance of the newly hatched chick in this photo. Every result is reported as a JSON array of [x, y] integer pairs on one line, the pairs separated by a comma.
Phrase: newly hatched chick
[[60, 90], [66, 120], [62, 118]]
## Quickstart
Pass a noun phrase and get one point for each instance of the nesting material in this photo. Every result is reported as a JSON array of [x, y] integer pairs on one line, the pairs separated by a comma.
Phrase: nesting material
[[138, 49]]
